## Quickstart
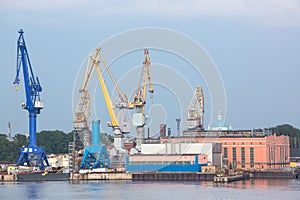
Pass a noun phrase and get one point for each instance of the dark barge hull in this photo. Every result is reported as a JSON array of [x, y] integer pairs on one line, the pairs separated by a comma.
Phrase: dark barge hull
[[172, 176], [43, 177]]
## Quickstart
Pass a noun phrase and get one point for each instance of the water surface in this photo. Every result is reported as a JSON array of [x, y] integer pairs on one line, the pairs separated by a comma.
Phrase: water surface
[[249, 189]]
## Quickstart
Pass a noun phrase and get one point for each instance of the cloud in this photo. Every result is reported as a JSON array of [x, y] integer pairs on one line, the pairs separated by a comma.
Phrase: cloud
[[269, 12]]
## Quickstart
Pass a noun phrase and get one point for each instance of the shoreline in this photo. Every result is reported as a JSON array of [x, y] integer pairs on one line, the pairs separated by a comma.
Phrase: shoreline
[[157, 176]]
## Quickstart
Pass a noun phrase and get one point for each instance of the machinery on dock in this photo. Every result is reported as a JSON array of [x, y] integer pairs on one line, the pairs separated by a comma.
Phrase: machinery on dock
[[196, 111], [32, 155], [95, 155]]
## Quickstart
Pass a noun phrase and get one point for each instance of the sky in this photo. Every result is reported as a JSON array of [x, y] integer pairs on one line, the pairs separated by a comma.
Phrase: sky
[[253, 44]]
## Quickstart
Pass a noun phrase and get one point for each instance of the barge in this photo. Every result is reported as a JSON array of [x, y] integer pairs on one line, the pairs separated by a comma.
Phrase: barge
[[45, 176]]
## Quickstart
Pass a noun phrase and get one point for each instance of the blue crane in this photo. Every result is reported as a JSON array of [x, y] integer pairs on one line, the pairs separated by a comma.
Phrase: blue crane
[[31, 155]]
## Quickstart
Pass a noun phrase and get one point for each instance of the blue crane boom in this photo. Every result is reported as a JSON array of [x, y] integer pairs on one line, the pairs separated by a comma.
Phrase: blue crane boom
[[33, 155]]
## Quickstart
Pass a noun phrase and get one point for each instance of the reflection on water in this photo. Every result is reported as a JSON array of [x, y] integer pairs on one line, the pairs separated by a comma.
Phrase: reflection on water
[[263, 184], [33, 190], [248, 189]]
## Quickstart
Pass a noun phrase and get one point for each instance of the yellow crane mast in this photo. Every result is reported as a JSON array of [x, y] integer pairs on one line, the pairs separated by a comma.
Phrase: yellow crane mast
[[123, 97], [123, 104], [114, 122], [140, 94]]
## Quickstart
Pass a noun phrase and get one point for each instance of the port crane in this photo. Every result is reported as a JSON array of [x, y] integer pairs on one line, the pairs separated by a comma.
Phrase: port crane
[[123, 104], [82, 112], [139, 100], [31, 155], [82, 133], [196, 111], [119, 126]]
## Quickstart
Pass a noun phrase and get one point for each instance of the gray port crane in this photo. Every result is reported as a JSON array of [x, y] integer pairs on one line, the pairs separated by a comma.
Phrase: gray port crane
[[196, 111]]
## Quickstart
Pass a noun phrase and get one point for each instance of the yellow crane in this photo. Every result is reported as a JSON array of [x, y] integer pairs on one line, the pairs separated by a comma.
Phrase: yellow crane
[[118, 129], [82, 111], [114, 122], [82, 133], [139, 99]]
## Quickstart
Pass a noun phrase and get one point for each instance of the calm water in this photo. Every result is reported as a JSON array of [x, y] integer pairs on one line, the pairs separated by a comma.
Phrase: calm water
[[250, 189]]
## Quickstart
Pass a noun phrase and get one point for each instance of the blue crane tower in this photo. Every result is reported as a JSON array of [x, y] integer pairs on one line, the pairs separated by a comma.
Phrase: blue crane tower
[[31, 155], [95, 155]]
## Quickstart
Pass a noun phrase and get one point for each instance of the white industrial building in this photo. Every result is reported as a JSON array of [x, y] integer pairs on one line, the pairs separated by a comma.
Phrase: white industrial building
[[212, 150], [57, 161]]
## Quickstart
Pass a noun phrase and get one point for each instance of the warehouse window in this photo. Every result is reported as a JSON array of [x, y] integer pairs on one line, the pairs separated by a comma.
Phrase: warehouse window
[[225, 152], [251, 157], [243, 156], [234, 157]]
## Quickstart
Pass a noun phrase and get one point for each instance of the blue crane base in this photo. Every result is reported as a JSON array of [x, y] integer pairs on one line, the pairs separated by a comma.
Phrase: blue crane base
[[33, 157], [95, 157]]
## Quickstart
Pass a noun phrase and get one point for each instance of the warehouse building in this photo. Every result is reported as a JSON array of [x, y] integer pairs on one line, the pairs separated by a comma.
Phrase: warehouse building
[[175, 157]]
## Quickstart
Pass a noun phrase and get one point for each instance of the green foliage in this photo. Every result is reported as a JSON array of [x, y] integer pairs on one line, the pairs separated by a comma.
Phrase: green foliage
[[289, 130], [20, 140], [106, 139], [9, 151], [53, 141]]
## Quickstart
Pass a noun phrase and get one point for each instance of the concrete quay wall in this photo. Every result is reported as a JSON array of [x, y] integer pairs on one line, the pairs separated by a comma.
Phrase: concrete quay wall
[[102, 176], [10, 177], [274, 174]]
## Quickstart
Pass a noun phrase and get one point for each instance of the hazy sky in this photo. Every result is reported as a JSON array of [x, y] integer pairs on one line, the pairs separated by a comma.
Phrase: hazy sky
[[254, 44]]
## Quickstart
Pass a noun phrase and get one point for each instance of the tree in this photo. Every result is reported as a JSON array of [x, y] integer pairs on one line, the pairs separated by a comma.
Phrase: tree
[[292, 132], [106, 139], [55, 142], [20, 140], [8, 150]]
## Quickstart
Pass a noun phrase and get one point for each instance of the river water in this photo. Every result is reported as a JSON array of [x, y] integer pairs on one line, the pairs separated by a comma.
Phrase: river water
[[287, 189]]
